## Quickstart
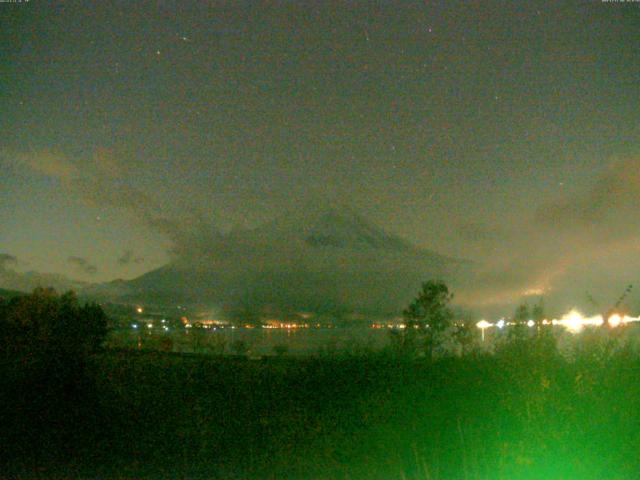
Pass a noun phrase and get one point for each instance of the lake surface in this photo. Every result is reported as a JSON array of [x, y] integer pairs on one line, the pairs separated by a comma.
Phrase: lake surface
[[256, 341], [312, 341]]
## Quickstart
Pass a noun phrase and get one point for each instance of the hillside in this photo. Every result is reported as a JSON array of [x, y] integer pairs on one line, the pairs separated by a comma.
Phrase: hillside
[[324, 261], [6, 294]]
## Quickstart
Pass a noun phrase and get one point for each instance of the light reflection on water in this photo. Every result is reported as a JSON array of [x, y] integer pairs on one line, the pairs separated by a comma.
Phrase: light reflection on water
[[258, 341]]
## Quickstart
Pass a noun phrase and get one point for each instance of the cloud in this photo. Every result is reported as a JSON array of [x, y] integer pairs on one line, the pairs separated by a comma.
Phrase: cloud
[[128, 258], [616, 191], [476, 232], [555, 249], [26, 282], [49, 162], [104, 180], [191, 235], [584, 241], [83, 265]]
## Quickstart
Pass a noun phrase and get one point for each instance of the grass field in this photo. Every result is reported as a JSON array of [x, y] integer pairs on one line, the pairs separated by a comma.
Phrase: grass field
[[523, 413]]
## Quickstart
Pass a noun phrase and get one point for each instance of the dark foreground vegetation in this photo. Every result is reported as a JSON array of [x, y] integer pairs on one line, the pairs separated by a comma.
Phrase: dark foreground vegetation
[[524, 412]]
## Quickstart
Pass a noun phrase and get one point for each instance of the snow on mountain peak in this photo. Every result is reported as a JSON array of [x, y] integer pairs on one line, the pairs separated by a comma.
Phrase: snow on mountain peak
[[330, 227]]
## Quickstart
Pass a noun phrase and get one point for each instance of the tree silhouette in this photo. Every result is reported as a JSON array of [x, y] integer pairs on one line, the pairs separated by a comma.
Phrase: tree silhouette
[[45, 342], [463, 334], [429, 315], [47, 325], [521, 316], [537, 312], [538, 316]]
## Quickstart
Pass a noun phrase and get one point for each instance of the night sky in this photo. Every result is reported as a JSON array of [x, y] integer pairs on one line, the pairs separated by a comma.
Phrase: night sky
[[506, 133]]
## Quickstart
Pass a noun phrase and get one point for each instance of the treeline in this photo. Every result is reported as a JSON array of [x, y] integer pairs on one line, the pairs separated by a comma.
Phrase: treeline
[[46, 389], [432, 329], [45, 325], [73, 410]]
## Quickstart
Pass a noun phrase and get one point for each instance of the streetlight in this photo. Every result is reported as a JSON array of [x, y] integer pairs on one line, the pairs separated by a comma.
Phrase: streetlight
[[483, 325]]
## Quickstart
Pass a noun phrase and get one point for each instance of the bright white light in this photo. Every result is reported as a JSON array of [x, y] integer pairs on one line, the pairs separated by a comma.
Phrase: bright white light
[[135, 325], [572, 321], [149, 325], [614, 320], [484, 324], [575, 322]]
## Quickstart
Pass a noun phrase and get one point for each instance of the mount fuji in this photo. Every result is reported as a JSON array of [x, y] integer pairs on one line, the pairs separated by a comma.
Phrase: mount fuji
[[323, 260]]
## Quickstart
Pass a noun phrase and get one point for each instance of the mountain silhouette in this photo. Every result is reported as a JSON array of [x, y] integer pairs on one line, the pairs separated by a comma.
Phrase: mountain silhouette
[[324, 260]]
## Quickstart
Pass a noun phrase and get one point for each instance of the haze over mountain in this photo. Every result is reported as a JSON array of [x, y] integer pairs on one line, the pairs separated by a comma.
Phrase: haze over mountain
[[324, 260], [14, 278]]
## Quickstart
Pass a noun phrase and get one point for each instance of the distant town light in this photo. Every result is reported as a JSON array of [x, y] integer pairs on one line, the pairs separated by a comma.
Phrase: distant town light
[[614, 320], [139, 309], [574, 322], [484, 324], [533, 291]]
